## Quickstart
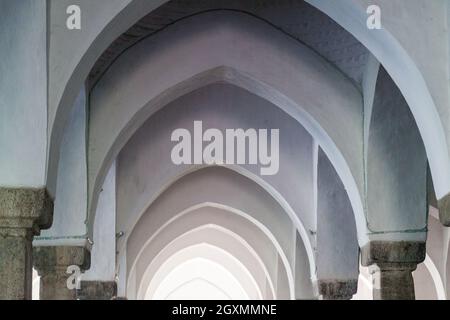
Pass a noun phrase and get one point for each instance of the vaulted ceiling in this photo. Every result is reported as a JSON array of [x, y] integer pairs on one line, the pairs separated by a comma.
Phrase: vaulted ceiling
[[296, 18]]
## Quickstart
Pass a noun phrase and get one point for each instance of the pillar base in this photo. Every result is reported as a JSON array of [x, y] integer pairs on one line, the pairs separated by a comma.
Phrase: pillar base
[[337, 289], [391, 265], [97, 290], [444, 210], [23, 213], [52, 264]]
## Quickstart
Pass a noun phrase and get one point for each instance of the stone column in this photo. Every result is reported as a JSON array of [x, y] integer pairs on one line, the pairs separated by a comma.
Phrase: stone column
[[391, 265], [23, 213], [97, 290], [337, 289], [52, 264], [444, 210]]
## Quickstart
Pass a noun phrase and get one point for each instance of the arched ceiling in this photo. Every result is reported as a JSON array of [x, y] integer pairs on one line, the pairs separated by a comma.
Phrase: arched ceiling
[[297, 19], [76, 55], [219, 237], [153, 28], [342, 117], [212, 267], [145, 166], [225, 188], [220, 226]]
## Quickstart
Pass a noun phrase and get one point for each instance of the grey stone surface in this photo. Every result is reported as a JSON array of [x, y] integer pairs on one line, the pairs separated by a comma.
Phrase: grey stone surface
[[52, 263], [15, 264], [393, 281], [376, 252], [444, 210], [97, 290], [25, 208], [23, 212], [337, 289], [391, 265]]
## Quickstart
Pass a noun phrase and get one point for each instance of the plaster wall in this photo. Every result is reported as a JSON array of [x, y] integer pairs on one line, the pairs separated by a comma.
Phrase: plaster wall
[[221, 186], [396, 168], [72, 54], [103, 253], [303, 284], [424, 284], [427, 21], [70, 211], [331, 99], [264, 251], [145, 165], [240, 275], [437, 244], [221, 238], [422, 81], [23, 94], [400, 19], [337, 243]]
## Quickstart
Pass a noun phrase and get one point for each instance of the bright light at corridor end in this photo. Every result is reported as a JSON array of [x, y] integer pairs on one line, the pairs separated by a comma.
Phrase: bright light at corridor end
[[199, 279]]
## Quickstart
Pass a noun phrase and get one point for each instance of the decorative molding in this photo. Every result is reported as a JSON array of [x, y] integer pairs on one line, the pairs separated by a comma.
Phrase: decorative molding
[[49, 259], [26, 208], [393, 252]]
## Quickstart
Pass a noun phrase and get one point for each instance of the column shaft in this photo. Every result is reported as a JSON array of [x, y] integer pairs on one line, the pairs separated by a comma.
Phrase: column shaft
[[391, 265], [23, 213], [53, 285], [15, 264], [393, 282], [52, 264]]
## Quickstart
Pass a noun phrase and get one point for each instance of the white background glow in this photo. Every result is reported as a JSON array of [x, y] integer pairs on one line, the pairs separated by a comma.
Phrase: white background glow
[[199, 279]]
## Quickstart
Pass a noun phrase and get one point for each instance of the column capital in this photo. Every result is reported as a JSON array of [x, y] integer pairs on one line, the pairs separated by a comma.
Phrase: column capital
[[23, 213], [25, 208], [52, 265], [337, 289], [97, 290], [391, 266], [49, 259], [392, 253]]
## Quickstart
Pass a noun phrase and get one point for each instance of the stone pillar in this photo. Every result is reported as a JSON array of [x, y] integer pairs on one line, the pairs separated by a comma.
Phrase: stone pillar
[[391, 265], [444, 210], [97, 290], [23, 213], [337, 289], [52, 264]]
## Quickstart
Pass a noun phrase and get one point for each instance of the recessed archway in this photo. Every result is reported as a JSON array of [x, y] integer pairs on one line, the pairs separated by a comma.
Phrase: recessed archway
[[198, 270], [223, 188], [404, 71], [260, 247], [311, 115], [222, 227]]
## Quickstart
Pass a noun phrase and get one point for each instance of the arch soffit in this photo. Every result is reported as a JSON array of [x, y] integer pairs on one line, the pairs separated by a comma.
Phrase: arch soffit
[[193, 236], [248, 82]]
